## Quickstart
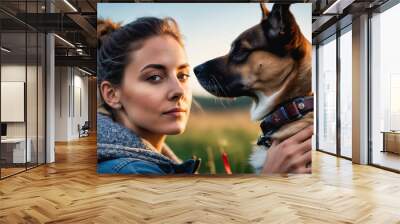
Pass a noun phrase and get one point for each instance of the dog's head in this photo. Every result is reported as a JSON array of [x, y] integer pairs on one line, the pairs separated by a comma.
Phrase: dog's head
[[270, 62]]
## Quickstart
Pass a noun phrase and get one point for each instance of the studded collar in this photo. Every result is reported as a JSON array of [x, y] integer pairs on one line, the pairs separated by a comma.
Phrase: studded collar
[[284, 114]]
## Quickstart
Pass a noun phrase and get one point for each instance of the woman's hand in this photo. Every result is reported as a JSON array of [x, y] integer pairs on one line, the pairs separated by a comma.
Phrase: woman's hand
[[292, 155]]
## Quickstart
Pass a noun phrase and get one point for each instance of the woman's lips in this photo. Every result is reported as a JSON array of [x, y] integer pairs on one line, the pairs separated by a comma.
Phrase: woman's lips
[[176, 112]]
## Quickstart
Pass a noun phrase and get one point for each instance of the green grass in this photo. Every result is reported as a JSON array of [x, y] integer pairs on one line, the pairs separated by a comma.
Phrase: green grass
[[231, 131]]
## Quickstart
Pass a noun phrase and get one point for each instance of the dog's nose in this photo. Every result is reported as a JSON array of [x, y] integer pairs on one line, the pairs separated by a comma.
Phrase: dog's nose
[[198, 69]]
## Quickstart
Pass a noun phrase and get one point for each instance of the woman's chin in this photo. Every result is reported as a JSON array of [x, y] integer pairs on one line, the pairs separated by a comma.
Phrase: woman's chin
[[174, 130]]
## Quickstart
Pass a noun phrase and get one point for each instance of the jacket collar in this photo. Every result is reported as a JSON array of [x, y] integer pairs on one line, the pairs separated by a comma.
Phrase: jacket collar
[[116, 141]]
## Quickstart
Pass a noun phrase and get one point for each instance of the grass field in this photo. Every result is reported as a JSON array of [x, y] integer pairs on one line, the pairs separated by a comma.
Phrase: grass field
[[208, 133]]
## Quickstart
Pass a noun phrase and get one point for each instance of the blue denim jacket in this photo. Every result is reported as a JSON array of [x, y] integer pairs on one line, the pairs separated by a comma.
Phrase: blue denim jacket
[[119, 150]]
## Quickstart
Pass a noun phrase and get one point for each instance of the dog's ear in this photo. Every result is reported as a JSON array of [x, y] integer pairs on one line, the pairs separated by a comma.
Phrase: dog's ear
[[279, 21], [279, 26], [264, 10], [282, 31]]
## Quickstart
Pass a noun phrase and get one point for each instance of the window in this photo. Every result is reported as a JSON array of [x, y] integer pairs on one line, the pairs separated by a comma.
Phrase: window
[[346, 92], [327, 95], [385, 89], [22, 87]]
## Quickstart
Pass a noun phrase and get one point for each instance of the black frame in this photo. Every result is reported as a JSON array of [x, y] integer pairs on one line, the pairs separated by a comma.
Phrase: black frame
[[381, 9], [332, 37], [338, 74], [44, 77], [387, 5], [339, 32]]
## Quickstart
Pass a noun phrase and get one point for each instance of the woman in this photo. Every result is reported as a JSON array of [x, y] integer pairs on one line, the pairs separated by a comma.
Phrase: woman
[[143, 81]]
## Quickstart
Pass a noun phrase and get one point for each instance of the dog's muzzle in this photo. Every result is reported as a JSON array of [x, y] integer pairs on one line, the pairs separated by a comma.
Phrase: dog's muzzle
[[198, 69], [219, 81]]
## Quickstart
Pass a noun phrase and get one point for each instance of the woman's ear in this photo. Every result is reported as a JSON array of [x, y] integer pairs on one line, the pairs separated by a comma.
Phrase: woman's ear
[[110, 94]]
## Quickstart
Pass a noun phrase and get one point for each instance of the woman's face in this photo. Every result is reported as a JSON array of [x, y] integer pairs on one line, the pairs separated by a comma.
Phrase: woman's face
[[155, 93]]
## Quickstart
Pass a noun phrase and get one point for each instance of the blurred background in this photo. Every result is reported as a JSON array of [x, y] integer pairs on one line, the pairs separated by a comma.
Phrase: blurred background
[[219, 126], [216, 125]]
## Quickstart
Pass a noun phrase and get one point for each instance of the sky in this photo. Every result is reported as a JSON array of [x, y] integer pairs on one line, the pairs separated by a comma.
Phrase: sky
[[208, 29]]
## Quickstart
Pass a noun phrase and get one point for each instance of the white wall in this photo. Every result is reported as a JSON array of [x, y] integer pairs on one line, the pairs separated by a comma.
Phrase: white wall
[[80, 100], [61, 103], [33, 126], [13, 73], [70, 83]]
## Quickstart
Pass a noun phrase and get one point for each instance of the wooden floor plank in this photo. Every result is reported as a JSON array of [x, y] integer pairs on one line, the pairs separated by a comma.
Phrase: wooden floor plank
[[70, 191]]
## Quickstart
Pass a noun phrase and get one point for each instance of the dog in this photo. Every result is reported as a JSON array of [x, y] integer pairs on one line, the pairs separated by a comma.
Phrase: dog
[[271, 63]]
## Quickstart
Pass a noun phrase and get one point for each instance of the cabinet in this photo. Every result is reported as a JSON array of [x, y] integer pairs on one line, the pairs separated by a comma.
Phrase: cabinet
[[391, 142]]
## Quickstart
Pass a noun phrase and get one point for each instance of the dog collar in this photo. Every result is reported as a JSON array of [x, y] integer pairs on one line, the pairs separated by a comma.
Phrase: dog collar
[[284, 114]]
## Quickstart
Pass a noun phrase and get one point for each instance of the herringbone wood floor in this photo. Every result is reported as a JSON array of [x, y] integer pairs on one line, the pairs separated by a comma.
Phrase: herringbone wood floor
[[70, 191]]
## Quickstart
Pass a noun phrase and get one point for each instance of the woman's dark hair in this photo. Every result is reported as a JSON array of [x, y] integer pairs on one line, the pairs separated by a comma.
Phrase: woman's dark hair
[[115, 42]]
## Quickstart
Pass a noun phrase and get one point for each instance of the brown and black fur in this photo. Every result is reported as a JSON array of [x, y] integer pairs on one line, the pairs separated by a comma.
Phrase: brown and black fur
[[270, 62]]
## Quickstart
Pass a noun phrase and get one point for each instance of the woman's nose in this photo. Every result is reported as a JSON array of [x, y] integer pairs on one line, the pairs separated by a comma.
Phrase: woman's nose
[[177, 90]]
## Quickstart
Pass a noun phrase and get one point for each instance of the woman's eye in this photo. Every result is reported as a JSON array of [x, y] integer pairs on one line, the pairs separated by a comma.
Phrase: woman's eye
[[154, 78], [183, 76]]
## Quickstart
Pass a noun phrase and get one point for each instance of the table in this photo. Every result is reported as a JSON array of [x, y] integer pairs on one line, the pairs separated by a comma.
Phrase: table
[[391, 141], [16, 147]]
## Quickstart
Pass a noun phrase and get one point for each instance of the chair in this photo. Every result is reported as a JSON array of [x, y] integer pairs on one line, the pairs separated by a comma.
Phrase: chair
[[84, 130]]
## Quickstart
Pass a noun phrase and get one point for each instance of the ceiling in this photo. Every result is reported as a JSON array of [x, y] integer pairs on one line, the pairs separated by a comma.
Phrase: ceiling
[[330, 15], [72, 20], [75, 22]]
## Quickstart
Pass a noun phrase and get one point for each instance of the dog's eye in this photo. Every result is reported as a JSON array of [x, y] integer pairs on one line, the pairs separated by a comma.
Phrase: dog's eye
[[239, 55]]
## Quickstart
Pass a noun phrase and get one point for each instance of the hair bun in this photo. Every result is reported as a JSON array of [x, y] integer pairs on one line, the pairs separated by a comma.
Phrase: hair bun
[[105, 28]]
